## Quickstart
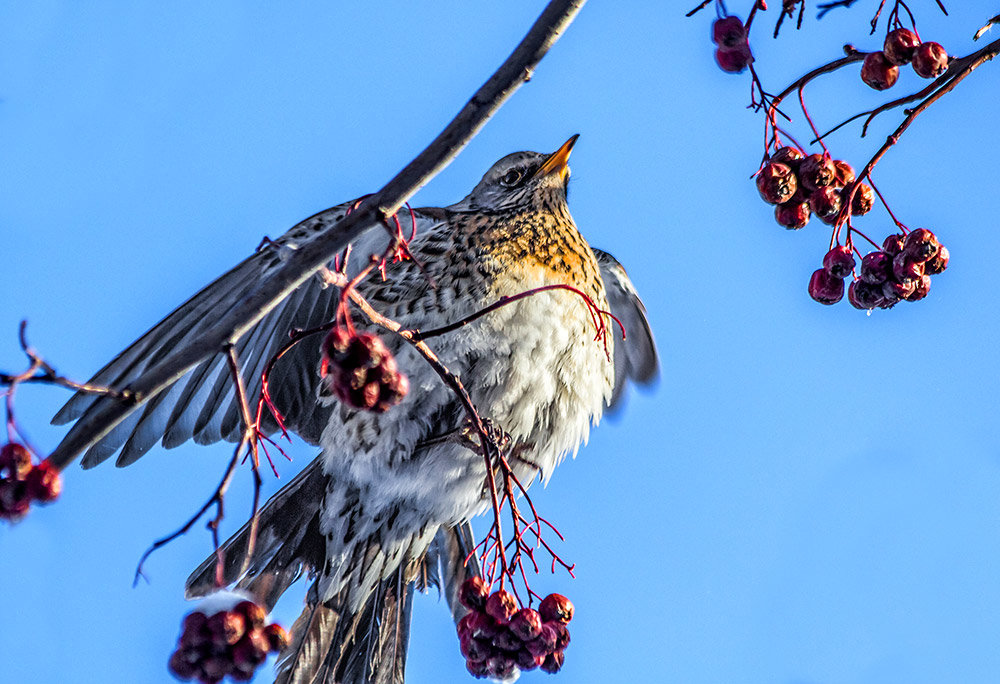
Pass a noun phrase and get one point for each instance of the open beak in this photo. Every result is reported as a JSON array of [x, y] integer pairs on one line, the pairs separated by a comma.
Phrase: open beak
[[558, 160]]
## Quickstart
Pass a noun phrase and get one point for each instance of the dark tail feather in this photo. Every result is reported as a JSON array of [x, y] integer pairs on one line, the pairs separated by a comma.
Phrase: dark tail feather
[[332, 645], [446, 566]]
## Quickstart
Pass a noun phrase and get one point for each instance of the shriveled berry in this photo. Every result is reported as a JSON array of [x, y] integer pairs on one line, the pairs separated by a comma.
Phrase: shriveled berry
[[473, 593], [501, 605], [483, 626], [44, 482], [863, 200], [475, 649], [921, 244], [226, 627], [922, 288], [876, 267], [15, 461], [906, 268], [893, 244], [562, 634], [526, 624], [844, 173], [242, 674], [464, 626], [792, 215], [895, 290], [939, 263], [545, 642], [825, 203], [526, 661], [776, 183], [930, 60], [361, 371], [556, 608], [277, 638], [878, 72], [899, 46], [787, 155], [733, 61], [863, 295], [553, 662], [824, 288], [728, 32], [839, 261], [817, 171], [214, 668]]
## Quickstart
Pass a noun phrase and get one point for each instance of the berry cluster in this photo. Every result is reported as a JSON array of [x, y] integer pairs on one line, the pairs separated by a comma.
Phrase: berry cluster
[[361, 371], [803, 185], [497, 639], [880, 70], [231, 642], [22, 482], [733, 51]]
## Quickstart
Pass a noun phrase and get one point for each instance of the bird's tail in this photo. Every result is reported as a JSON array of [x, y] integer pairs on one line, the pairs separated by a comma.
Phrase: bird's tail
[[351, 637]]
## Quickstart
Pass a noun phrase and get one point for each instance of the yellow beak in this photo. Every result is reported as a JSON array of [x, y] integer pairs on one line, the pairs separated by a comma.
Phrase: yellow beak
[[558, 160]]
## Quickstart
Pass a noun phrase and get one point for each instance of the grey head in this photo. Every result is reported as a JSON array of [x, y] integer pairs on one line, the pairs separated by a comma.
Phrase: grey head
[[522, 181]]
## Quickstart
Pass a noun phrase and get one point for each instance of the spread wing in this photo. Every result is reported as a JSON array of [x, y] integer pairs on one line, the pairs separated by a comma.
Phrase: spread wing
[[202, 405], [635, 356]]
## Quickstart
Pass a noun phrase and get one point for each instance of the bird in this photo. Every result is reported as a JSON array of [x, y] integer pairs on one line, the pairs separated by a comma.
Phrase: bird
[[385, 506]]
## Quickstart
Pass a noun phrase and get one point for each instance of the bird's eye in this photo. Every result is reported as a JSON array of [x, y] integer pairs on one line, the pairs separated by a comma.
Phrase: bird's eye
[[511, 178]]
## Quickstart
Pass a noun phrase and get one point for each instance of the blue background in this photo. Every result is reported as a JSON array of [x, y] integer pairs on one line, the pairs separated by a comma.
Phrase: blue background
[[810, 496]]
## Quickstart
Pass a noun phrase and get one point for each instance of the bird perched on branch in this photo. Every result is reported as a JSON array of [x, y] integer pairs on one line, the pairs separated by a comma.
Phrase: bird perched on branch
[[388, 499]]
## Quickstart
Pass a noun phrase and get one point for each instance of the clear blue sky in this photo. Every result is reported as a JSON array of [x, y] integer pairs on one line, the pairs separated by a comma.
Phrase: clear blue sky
[[810, 496]]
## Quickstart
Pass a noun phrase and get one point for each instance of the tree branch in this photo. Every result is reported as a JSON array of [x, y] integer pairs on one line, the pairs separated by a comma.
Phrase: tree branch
[[303, 262]]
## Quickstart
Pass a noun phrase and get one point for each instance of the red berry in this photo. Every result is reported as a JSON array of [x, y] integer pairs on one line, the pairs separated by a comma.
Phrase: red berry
[[863, 201], [506, 640], [922, 288], [787, 155], [527, 661], [526, 624], [728, 32], [475, 649], [15, 461], [478, 669], [15, 499], [863, 295], [839, 261], [893, 244], [921, 245], [817, 171], [562, 634], [545, 642], [226, 627], [277, 638], [733, 60], [557, 608], [500, 666], [824, 288], [906, 268], [878, 72], [182, 666], [930, 60], [553, 662], [893, 290], [899, 46], [44, 482], [876, 268], [776, 183], [473, 593], [483, 626], [825, 203], [254, 614], [501, 605], [844, 174], [792, 215], [251, 650], [939, 263]]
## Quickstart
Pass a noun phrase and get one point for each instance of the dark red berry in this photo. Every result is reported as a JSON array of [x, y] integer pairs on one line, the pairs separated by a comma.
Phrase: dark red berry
[[893, 290], [839, 261], [844, 174], [939, 263], [733, 61], [921, 244], [44, 482], [728, 32], [253, 613], [899, 46], [556, 608], [878, 72], [501, 605], [15, 461], [776, 183], [876, 268], [214, 668], [482, 626], [863, 201], [553, 662], [893, 244], [478, 669], [544, 643], [181, 666], [930, 60], [500, 666], [787, 155], [251, 650], [277, 638], [562, 634], [506, 640], [15, 499], [863, 295], [361, 371], [825, 203], [817, 171], [526, 661], [906, 268], [464, 626], [526, 624], [922, 288], [226, 627], [475, 649], [792, 215], [824, 288], [473, 593]]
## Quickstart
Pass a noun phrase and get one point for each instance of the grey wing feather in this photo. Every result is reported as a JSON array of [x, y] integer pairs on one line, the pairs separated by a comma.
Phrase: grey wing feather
[[201, 405], [635, 356]]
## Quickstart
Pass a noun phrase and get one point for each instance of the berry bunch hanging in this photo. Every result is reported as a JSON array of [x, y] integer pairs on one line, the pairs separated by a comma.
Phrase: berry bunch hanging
[[498, 639], [23, 482], [360, 370]]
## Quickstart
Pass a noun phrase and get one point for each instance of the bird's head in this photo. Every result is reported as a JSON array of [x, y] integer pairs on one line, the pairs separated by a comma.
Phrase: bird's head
[[522, 181]]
